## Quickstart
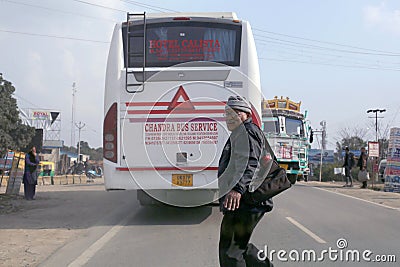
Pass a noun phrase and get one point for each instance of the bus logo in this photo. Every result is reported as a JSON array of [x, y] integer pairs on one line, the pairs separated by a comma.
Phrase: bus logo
[[187, 104]]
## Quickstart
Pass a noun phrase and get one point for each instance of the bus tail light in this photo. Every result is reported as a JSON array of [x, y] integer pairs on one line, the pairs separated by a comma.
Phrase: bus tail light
[[110, 134]]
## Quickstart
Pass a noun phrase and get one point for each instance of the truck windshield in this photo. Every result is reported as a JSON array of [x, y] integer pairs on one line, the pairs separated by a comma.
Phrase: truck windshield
[[294, 127], [271, 125]]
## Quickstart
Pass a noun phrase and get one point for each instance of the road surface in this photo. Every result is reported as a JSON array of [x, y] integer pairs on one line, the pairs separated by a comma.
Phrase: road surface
[[305, 219]]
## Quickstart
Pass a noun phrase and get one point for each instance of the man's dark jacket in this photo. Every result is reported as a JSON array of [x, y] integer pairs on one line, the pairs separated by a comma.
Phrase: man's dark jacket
[[238, 161], [348, 160]]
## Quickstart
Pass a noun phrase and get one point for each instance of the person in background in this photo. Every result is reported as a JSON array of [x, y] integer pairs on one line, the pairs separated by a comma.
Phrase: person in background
[[348, 165], [362, 164], [30, 174]]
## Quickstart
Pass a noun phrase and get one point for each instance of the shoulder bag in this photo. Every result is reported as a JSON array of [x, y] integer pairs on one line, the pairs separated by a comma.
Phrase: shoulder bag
[[269, 178], [363, 176]]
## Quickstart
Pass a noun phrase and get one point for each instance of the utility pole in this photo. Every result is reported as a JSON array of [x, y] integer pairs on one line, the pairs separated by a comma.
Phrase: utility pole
[[80, 126], [376, 120], [323, 145], [376, 160], [73, 115]]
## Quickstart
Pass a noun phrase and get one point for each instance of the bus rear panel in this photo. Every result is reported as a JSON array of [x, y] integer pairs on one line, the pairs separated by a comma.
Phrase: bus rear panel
[[168, 79]]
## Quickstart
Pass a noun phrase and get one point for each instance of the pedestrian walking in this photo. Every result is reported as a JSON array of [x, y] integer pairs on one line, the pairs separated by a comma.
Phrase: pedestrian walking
[[30, 174], [348, 165], [362, 164], [238, 161]]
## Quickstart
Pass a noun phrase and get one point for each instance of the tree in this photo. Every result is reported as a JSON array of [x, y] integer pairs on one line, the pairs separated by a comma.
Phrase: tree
[[94, 153], [13, 134], [353, 138]]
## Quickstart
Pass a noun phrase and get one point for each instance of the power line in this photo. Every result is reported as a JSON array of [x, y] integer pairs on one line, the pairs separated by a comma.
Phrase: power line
[[56, 10], [156, 8], [324, 42], [291, 43], [327, 64], [101, 6], [25, 100], [276, 40], [54, 36], [311, 54]]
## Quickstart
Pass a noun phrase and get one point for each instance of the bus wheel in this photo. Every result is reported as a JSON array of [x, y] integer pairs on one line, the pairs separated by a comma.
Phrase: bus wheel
[[146, 200]]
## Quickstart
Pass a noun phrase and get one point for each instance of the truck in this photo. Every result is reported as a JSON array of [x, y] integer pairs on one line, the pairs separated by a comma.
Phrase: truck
[[289, 133]]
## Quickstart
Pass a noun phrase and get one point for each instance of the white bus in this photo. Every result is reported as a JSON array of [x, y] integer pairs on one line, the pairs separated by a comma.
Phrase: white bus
[[168, 78]]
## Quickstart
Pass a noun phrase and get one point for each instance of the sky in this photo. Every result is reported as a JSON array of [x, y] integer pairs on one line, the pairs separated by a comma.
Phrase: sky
[[338, 57]]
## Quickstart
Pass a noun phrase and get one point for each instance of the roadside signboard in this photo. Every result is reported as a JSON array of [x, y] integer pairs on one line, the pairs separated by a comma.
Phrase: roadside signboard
[[314, 156], [373, 149], [16, 174]]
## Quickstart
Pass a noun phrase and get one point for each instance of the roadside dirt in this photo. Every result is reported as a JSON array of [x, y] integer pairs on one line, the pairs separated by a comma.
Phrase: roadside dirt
[[30, 231]]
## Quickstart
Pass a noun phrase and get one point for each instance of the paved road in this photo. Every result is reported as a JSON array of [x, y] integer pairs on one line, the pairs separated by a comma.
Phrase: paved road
[[304, 218]]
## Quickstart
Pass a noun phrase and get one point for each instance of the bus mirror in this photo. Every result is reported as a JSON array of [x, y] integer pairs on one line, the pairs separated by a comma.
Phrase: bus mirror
[[311, 136]]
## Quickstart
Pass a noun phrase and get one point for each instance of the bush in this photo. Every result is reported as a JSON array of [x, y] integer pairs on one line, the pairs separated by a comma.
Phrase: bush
[[328, 173]]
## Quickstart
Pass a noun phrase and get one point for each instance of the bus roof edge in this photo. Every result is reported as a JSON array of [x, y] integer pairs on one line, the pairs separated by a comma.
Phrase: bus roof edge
[[223, 15]]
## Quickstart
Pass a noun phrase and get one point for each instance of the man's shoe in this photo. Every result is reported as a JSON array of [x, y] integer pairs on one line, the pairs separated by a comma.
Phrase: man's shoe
[[351, 185], [346, 185]]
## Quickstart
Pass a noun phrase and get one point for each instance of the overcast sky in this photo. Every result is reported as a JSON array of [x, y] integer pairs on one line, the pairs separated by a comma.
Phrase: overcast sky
[[339, 57]]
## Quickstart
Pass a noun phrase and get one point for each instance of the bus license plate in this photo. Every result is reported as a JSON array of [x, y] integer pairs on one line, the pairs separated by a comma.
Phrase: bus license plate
[[182, 179], [285, 166]]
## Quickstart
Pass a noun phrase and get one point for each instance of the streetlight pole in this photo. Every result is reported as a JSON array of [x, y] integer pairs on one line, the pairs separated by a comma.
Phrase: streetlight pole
[[323, 124], [79, 125], [374, 167], [73, 115], [376, 120]]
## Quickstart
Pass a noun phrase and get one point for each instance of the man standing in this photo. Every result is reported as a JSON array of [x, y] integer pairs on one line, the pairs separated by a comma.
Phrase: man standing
[[30, 174], [348, 164], [237, 164], [362, 164]]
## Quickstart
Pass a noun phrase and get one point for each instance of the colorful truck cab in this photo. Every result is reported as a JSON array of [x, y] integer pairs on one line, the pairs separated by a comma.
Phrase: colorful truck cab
[[289, 134]]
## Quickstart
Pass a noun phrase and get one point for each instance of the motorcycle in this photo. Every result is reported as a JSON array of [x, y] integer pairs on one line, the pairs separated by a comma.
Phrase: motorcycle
[[95, 172]]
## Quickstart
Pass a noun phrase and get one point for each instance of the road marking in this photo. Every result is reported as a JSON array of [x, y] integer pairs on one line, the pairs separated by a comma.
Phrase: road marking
[[96, 246], [306, 230], [368, 201]]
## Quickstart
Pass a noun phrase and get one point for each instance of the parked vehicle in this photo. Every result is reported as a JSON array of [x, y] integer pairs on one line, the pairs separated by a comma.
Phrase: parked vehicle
[[46, 168], [167, 80], [94, 172]]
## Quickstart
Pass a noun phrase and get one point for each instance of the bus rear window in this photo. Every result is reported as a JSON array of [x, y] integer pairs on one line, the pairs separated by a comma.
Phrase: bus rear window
[[169, 44]]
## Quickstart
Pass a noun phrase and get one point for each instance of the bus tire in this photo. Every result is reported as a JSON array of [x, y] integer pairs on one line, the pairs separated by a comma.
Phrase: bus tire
[[145, 199]]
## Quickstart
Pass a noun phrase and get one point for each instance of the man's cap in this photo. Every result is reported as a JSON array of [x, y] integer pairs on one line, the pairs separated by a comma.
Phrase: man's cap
[[239, 103]]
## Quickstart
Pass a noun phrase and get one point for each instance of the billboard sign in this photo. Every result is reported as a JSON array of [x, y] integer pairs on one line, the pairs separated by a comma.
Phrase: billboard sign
[[314, 156], [41, 115], [392, 171]]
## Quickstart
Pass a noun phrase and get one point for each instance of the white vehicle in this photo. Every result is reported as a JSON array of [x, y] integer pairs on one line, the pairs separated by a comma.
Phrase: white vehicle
[[167, 81]]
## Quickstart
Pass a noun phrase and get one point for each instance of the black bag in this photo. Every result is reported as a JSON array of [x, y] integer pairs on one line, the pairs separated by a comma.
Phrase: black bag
[[33, 177], [269, 178]]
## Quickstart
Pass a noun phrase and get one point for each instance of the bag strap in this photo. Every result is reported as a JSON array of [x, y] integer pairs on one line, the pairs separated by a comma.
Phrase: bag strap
[[268, 147]]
